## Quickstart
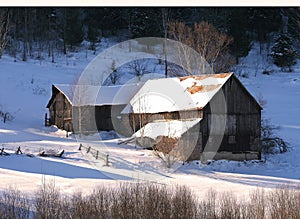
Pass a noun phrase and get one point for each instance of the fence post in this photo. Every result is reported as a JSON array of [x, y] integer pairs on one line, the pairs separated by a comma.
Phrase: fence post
[[106, 160], [80, 146], [5, 117], [46, 120], [97, 154], [88, 150]]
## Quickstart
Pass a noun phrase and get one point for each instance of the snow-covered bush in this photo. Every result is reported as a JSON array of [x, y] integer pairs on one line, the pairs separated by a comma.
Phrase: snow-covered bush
[[38, 90], [5, 116], [283, 52], [269, 141]]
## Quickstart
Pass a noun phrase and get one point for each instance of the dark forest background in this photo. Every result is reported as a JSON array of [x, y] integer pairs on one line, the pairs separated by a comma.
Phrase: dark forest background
[[25, 30]]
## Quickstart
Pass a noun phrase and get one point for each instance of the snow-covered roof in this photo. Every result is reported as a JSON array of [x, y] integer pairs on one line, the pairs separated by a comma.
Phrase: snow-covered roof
[[175, 94], [172, 129], [80, 95]]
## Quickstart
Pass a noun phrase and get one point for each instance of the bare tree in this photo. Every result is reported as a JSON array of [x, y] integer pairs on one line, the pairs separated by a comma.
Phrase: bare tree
[[25, 47], [204, 38], [166, 148], [4, 28], [114, 76], [139, 68], [165, 14]]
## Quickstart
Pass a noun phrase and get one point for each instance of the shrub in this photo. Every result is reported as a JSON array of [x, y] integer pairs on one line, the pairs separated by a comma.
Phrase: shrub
[[48, 202], [146, 201], [14, 204], [269, 141]]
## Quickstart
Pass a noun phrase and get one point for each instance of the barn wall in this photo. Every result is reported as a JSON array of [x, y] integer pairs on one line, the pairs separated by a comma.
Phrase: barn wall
[[243, 123], [124, 126], [103, 118], [60, 111], [84, 119], [138, 120], [108, 117], [97, 118], [190, 144], [183, 148]]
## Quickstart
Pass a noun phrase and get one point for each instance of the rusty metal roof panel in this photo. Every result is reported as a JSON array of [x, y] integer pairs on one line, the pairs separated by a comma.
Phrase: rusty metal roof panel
[[176, 94]]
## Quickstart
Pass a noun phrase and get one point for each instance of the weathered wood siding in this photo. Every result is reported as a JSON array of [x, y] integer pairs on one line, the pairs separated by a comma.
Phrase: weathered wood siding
[[84, 121], [242, 117], [243, 120], [138, 120], [91, 119], [60, 111]]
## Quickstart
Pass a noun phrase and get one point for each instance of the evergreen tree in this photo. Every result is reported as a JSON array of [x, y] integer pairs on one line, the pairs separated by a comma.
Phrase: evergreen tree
[[238, 30], [74, 28], [263, 21], [293, 15], [91, 22], [218, 17], [92, 36], [146, 22], [283, 53]]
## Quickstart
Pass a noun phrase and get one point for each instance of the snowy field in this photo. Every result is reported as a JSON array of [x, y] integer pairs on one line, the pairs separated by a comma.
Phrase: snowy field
[[25, 89]]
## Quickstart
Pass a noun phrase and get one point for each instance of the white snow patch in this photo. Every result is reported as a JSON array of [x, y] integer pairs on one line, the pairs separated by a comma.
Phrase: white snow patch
[[173, 129]]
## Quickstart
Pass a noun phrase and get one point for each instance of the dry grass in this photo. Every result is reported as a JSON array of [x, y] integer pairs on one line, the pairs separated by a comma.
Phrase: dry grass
[[147, 201]]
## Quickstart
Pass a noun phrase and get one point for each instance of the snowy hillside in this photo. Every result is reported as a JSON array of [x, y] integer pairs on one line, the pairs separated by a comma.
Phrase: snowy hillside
[[25, 89]]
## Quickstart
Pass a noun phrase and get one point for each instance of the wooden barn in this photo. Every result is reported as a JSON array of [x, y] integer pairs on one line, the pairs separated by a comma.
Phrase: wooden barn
[[203, 117], [60, 108], [89, 109]]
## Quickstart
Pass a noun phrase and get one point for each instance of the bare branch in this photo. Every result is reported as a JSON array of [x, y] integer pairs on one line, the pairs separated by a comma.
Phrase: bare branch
[[206, 40]]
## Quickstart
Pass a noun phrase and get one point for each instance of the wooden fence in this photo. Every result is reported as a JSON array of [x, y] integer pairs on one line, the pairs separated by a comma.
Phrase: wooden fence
[[95, 153]]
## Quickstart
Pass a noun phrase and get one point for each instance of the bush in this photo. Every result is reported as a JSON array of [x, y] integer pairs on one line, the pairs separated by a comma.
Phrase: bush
[[6, 116], [14, 204], [48, 202], [150, 201], [269, 141], [284, 202]]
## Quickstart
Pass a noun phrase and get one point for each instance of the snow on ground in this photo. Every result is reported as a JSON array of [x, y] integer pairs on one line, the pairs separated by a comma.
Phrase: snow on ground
[[25, 89]]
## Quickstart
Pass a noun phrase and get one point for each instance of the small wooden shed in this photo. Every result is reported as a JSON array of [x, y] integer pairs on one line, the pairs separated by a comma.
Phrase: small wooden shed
[[89, 109], [230, 117], [60, 108]]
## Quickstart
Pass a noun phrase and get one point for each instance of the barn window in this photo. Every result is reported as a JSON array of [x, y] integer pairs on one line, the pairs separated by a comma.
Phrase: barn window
[[231, 139]]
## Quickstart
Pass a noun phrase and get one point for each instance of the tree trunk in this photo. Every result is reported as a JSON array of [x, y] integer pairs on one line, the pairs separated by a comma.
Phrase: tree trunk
[[26, 36], [4, 28]]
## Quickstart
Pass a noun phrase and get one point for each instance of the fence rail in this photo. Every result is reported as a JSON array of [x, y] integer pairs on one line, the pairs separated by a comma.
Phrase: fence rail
[[96, 153]]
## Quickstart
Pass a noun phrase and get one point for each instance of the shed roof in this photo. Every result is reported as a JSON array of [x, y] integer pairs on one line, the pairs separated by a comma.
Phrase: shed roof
[[171, 129], [175, 94], [80, 95]]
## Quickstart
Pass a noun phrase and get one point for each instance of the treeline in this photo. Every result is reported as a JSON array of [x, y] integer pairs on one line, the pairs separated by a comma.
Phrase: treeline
[[50, 29]]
